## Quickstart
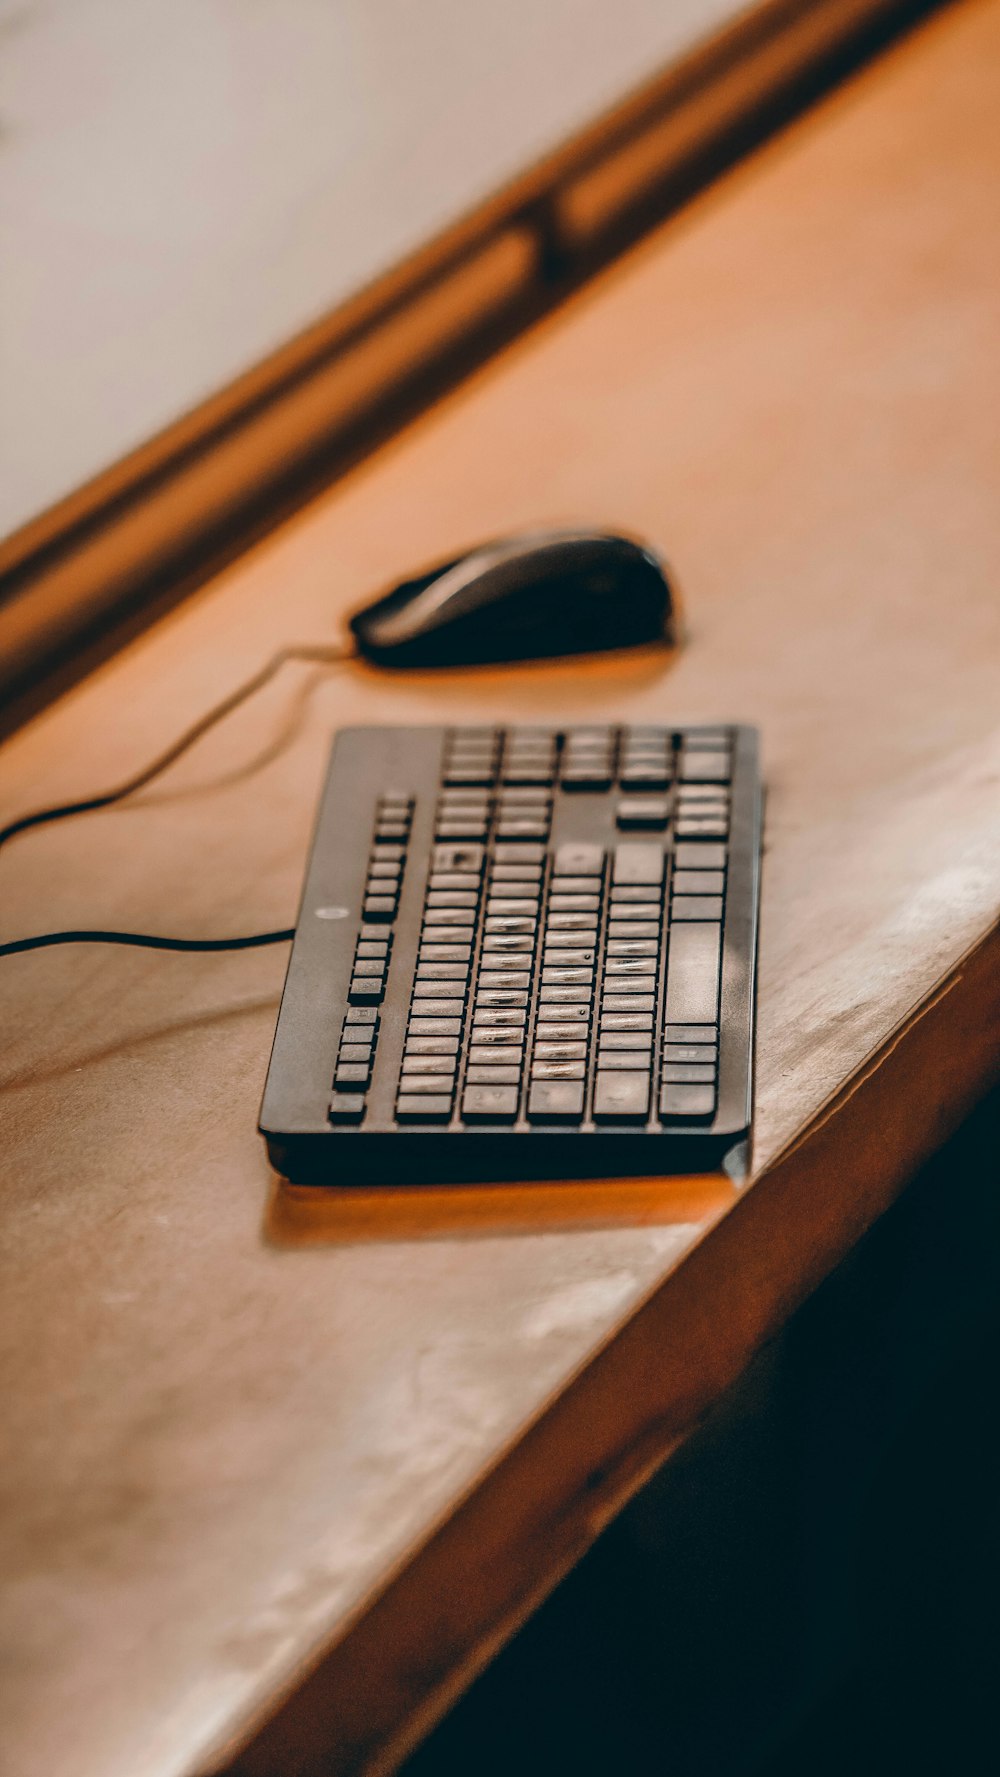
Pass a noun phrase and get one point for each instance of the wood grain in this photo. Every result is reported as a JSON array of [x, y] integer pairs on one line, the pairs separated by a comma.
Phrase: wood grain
[[250, 1436]]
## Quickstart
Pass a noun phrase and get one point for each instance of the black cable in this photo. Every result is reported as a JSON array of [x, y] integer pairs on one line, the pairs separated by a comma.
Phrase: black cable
[[146, 941], [62, 810]]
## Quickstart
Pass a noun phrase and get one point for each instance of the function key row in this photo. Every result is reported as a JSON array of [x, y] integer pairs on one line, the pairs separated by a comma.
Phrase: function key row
[[640, 757]]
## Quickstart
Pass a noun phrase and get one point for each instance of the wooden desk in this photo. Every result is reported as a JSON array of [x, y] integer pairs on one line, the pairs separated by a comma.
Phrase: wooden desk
[[251, 1433]]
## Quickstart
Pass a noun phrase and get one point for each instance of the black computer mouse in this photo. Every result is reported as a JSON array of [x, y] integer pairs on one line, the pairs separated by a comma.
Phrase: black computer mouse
[[522, 598]]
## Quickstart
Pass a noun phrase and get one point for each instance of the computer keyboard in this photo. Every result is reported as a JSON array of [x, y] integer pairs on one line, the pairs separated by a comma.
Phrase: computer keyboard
[[522, 953]]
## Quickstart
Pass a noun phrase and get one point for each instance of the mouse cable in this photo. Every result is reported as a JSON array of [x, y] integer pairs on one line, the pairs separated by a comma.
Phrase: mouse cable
[[147, 941], [61, 811]]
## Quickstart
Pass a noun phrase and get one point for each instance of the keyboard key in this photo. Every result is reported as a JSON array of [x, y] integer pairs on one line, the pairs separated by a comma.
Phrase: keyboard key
[[698, 882], [477, 1075], [450, 1008], [561, 1051], [468, 829], [693, 956], [363, 992], [568, 958], [428, 1082], [508, 942], [681, 1103], [703, 829], [623, 1061], [578, 860], [480, 1053], [516, 891], [457, 857], [643, 811], [498, 996], [495, 1104], [453, 879], [691, 1033], [497, 978], [711, 740], [522, 871], [696, 907], [639, 928], [522, 829], [558, 1070], [352, 1073], [638, 863], [567, 977], [375, 967], [433, 1027], [519, 854], [625, 1021], [347, 1107], [361, 1015], [640, 775], [496, 1018], [703, 767], [628, 965], [558, 943], [379, 907], [443, 972], [633, 947], [570, 922], [587, 777], [387, 869], [565, 996], [700, 857], [688, 1073], [627, 1039], [451, 934], [445, 953], [367, 949], [563, 1014], [450, 918], [555, 1101], [452, 898], [621, 1097], [573, 903], [511, 906], [677, 1052], [634, 891], [354, 1052], [412, 1107], [632, 910], [431, 1045], [613, 1003]]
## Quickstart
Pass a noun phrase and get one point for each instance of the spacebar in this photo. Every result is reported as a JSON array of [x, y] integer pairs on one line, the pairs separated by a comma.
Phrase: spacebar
[[693, 973]]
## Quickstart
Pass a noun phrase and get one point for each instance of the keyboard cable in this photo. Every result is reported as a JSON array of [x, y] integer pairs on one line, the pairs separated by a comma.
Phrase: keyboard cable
[[63, 810]]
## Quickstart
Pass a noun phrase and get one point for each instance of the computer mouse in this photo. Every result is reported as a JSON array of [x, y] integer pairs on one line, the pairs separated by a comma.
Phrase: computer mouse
[[522, 598]]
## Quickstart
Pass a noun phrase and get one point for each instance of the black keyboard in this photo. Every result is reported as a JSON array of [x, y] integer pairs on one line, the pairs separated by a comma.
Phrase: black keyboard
[[522, 953]]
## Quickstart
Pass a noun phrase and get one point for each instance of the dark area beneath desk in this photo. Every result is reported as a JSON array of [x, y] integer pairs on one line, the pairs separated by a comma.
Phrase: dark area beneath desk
[[810, 1586]]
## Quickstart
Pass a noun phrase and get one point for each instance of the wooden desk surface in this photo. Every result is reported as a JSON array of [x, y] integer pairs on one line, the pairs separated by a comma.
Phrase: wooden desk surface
[[247, 1429]]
